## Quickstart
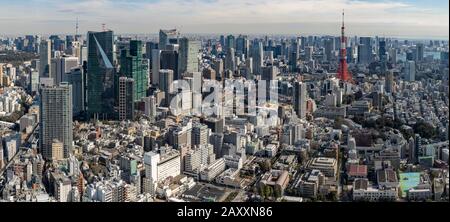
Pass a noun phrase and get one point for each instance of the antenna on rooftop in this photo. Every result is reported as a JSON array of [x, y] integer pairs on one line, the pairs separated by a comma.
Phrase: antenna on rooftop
[[76, 30], [104, 27]]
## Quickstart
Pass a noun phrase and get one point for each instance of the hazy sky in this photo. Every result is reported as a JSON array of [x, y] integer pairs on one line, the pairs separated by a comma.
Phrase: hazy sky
[[404, 18]]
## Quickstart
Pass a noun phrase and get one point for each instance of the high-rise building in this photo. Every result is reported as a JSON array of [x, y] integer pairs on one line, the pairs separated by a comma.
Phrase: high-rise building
[[365, 50], [149, 47], [167, 37], [230, 62], [34, 81], [218, 67], [200, 134], [300, 99], [329, 48], [410, 71], [45, 55], [156, 66], [169, 60], [60, 66], [100, 75], [55, 119], [389, 81], [126, 100], [188, 56], [150, 106], [309, 50], [257, 55], [420, 51], [132, 66], [165, 82], [76, 79]]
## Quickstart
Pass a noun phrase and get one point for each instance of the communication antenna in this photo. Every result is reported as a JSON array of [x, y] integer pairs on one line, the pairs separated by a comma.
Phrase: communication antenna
[[104, 27], [76, 30]]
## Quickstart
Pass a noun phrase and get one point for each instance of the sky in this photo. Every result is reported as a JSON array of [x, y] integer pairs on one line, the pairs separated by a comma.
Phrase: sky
[[402, 18]]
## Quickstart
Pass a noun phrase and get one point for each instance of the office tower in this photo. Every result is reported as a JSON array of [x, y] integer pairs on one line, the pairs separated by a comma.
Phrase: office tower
[[150, 106], [393, 56], [329, 48], [188, 56], [242, 45], [167, 37], [45, 55], [165, 82], [169, 60], [156, 66], [389, 81], [34, 81], [420, 51], [230, 62], [382, 55], [132, 66], [257, 55], [216, 139], [55, 119], [309, 50], [100, 75], [300, 99], [382, 50], [218, 67], [365, 50], [200, 135], [410, 71], [230, 42], [126, 98], [269, 73], [60, 66], [149, 47], [76, 79]]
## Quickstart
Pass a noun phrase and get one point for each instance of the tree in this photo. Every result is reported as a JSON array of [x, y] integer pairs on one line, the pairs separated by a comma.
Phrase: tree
[[265, 165], [268, 191], [425, 129]]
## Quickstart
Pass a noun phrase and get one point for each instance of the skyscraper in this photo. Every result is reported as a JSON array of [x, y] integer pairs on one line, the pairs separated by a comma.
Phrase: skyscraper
[[257, 56], [126, 100], [61, 66], [230, 62], [165, 82], [55, 119], [300, 99], [188, 56], [167, 37], [420, 51], [200, 134], [410, 71], [132, 66], [365, 50], [76, 79], [45, 55], [100, 75], [389, 81], [329, 48]]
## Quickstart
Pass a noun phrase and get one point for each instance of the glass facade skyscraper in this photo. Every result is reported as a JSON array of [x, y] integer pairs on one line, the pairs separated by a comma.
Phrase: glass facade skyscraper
[[132, 66], [100, 75]]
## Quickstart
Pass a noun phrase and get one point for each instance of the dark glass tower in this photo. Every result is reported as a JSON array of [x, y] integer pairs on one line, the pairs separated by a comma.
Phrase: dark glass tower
[[100, 75], [132, 66]]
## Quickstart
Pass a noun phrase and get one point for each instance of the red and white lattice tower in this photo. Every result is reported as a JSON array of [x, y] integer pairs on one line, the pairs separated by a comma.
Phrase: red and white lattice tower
[[343, 73]]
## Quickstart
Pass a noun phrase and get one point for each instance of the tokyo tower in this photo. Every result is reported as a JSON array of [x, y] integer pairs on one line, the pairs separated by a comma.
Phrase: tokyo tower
[[343, 73]]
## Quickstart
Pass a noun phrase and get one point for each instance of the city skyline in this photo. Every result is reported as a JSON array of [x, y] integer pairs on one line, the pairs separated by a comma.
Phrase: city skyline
[[407, 18]]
